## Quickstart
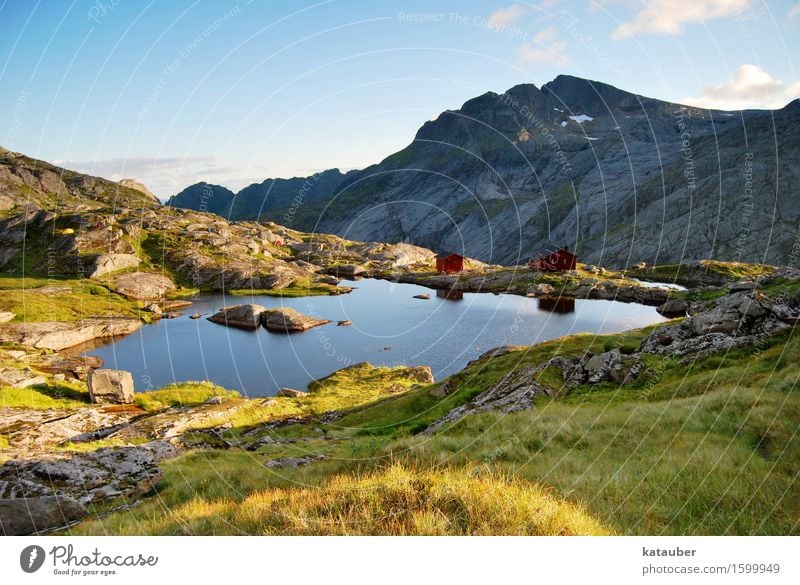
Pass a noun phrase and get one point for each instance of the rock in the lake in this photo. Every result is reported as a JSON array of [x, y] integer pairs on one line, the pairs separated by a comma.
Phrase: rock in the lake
[[344, 323], [106, 263], [291, 393], [423, 296], [111, 386], [285, 320], [21, 516], [143, 286], [673, 308], [246, 316]]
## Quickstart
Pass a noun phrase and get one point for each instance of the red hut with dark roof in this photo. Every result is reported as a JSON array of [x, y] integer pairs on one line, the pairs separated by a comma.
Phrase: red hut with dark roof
[[559, 261], [449, 263]]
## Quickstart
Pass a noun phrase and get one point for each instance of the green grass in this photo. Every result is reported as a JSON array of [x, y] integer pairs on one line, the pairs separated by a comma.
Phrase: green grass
[[730, 271], [181, 394], [81, 299], [45, 396]]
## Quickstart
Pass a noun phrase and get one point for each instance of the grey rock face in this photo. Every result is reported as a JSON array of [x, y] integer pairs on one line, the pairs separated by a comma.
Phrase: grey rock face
[[651, 181], [111, 386], [106, 263], [143, 286]]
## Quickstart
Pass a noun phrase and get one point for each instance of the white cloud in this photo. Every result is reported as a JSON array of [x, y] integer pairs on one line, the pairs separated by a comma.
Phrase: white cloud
[[667, 17], [750, 87], [545, 47], [506, 16], [167, 176], [794, 11]]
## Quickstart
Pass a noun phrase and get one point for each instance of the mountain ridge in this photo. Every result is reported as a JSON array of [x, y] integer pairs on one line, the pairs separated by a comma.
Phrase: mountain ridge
[[576, 162]]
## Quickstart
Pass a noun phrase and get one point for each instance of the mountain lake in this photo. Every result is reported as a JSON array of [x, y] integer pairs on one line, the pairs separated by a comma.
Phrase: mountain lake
[[389, 327]]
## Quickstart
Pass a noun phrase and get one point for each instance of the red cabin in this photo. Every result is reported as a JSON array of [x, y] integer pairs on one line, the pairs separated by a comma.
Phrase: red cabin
[[557, 261], [449, 263]]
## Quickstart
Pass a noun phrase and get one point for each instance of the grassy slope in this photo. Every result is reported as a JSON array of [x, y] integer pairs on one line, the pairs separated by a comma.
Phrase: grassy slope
[[706, 448]]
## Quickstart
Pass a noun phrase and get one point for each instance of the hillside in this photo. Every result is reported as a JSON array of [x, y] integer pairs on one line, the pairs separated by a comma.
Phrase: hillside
[[619, 177]]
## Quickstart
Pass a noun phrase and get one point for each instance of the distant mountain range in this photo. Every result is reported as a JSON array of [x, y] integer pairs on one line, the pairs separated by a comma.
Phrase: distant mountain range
[[619, 177]]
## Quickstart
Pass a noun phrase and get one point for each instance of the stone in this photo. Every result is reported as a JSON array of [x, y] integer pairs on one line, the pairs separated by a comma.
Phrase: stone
[[57, 335], [673, 308], [247, 316], [291, 462], [143, 286], [19, 378], [344, 323], [742, 286], [600, 366], [542, 289], [111, 386], [214, 400], [424, 296], [6, 316], [421, 374], [107, 263], [291, 393], [23, 516], [153, 308], [286, 320]]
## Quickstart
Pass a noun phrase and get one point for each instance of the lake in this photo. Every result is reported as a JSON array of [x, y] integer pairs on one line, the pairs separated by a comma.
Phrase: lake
[[390, 327]]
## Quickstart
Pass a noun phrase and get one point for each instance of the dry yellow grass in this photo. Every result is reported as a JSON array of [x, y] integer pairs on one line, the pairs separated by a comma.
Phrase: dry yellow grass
[[395, 500]]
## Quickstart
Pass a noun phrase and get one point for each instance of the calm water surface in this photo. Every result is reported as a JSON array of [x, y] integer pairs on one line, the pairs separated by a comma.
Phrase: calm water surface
[[389, 328]]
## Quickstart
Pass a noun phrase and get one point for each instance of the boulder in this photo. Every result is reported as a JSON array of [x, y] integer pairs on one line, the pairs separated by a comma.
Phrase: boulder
[[599, 367], [106, 263], [421, 374], [22, 516], [153, 308], [673, 308], [285, 320], [247, 316], [542, 289], [143, 286], [6, 316], [291, 393], [111, 386], [742, 286], [344, 323], [423, 296]]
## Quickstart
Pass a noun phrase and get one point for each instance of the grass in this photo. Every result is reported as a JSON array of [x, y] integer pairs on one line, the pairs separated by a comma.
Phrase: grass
[[45, 396], [181, 394], [395, 500], [79, 300], [730, 271]]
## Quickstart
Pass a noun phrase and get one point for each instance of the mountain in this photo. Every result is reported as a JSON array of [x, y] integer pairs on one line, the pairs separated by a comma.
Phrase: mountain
[[619, 177], [28, 182], [204, 197]]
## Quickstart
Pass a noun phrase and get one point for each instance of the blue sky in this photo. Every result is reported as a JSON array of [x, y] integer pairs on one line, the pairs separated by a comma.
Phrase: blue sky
[[233, 92]]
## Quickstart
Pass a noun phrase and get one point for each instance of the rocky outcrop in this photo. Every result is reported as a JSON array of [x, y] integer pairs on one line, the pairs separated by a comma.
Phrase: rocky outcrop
[[421, 374], [111, 387], [6, 316], [17, 378], [287, 320], [673, 308], [515, 391], [292, 462], [106, 263], [736, 319], [246, 316], [143, 286], [22, 516], [61, 335]]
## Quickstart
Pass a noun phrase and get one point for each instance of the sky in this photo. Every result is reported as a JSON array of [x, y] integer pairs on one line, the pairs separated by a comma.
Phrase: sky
[[172, 93]]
